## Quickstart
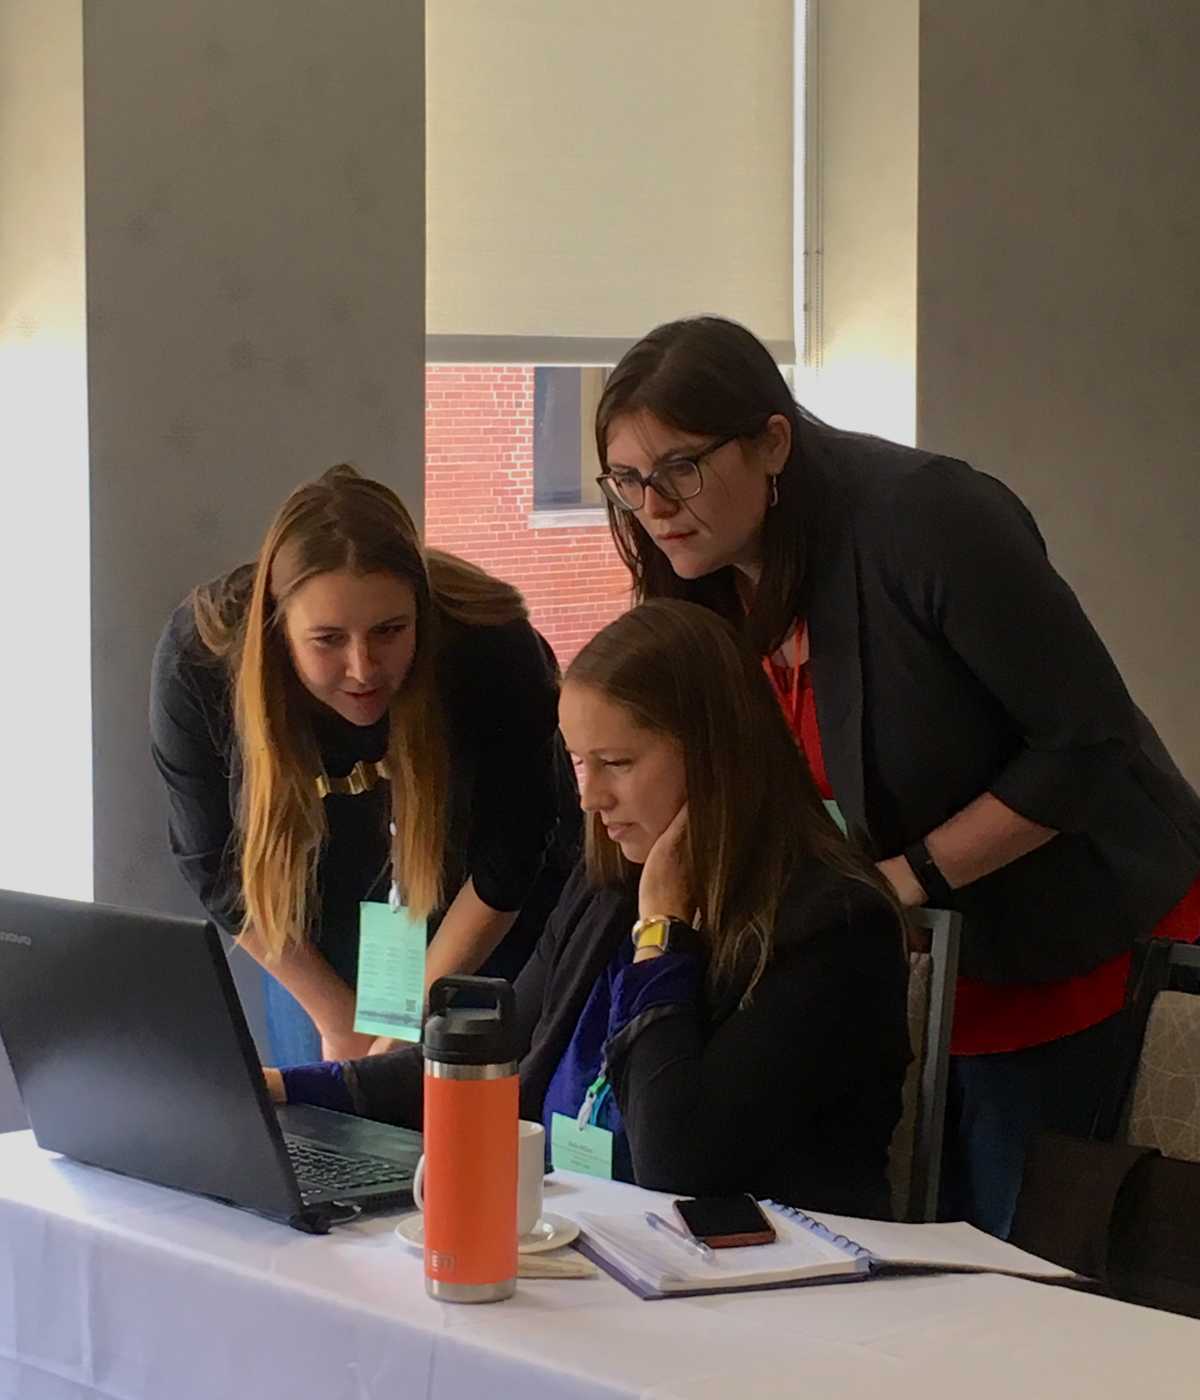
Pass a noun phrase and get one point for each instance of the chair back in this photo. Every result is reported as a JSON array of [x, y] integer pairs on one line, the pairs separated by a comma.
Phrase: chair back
[[916, 1150], [1133, 1188], [1164, 1107]]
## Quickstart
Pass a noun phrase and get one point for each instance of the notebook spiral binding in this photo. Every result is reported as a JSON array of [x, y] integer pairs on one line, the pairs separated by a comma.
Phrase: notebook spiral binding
[[856, 1251]]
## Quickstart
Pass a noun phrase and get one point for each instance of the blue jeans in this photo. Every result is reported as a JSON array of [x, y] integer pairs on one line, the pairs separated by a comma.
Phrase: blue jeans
[[293, 1038], [996, 1104]]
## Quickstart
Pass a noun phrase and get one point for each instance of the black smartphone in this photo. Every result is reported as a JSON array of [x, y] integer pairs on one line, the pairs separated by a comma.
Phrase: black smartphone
[[724, 1222]]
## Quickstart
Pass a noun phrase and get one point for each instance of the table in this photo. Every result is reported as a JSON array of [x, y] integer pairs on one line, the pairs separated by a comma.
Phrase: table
[[115, 1288]]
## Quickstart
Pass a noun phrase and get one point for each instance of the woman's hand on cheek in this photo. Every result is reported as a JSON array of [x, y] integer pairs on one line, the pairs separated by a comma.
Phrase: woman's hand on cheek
[[665, 887]]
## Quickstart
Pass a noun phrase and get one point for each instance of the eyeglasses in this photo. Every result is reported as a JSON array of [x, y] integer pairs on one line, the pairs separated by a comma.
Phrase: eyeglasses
[[676, 480]]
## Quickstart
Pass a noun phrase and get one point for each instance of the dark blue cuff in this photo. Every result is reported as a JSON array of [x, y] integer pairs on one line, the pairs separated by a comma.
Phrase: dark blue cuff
[[673, 979], [322, 1084]]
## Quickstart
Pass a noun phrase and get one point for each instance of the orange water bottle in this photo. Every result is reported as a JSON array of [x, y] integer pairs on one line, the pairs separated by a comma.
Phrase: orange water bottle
[[470, 1167]]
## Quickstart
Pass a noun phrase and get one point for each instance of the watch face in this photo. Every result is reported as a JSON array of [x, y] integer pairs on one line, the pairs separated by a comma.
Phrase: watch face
[[652, 934]]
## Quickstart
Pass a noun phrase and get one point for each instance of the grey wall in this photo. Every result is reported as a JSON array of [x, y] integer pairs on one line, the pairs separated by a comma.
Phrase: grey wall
[[255, 263], [1058, 299]]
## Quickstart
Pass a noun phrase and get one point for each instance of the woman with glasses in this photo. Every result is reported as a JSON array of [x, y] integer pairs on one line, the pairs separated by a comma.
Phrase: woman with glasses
[[352, 721], [953, 701]]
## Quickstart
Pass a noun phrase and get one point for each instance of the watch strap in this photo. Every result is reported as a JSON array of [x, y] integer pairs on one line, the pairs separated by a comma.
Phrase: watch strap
[[937, 888]]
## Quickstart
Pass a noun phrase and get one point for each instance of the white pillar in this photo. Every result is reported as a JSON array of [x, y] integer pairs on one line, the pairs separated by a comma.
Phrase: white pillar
[[45, 678]]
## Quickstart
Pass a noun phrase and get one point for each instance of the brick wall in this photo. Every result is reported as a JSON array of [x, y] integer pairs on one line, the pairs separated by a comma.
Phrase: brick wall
[[479, 497]]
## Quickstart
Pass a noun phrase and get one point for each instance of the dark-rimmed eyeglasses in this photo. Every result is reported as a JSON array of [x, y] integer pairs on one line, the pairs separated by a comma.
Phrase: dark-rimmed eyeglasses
[[677, 479]]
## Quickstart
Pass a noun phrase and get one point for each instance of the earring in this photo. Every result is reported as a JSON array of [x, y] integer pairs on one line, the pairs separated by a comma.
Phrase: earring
[[773, 499]]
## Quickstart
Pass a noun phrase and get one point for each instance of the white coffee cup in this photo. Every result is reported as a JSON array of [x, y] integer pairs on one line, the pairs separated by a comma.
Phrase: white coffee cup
[[531, 1170]]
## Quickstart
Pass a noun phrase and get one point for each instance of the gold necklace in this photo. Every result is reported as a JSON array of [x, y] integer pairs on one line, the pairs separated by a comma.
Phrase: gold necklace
[[361, 778]]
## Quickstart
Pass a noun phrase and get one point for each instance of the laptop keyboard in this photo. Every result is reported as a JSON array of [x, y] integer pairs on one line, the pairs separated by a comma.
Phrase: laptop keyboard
[[333, 1171]]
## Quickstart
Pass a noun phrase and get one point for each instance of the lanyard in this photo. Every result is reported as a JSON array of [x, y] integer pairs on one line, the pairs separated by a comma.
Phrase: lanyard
[[789, 699], [394, 900], [596, 1094]]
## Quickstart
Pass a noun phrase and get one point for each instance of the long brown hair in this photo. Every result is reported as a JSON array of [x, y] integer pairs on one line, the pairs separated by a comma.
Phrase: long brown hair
[[709, 375], [753, 811], [342, 521]]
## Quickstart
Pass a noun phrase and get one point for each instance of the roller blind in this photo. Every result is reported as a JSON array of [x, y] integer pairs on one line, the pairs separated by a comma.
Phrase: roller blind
[[598, 166]]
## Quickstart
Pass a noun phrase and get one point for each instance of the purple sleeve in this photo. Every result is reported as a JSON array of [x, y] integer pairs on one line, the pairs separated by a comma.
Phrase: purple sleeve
[[671, 980], [322, 1084]]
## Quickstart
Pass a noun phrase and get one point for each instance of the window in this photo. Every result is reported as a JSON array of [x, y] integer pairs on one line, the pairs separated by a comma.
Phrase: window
[[510, 468], [565, 464], [532, 282]]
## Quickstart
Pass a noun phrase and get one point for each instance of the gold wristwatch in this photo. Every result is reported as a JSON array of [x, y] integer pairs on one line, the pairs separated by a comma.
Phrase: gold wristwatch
[[661, 931]]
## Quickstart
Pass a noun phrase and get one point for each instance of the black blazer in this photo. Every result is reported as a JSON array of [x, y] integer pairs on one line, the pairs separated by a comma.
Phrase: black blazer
[[793, 1095], [948, 658]]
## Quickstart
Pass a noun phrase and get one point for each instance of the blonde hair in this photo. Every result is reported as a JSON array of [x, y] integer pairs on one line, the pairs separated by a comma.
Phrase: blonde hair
[[342, 521], [683, 671]]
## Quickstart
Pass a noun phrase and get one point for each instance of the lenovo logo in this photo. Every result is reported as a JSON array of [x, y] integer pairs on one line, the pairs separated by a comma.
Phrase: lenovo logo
[[22, 940]]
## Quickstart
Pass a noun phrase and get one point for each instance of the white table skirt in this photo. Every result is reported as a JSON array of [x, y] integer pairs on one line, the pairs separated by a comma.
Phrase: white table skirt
[[112, 1287]]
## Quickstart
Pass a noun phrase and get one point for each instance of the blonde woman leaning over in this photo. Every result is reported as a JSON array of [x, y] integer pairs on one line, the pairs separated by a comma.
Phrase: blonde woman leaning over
[[348, 712], [723, 982]]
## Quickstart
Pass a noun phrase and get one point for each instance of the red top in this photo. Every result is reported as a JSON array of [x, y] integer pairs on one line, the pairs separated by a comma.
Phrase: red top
[[990, 1018]]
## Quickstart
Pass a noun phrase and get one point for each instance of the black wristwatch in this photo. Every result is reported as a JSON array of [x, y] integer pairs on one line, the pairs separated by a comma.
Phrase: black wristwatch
[[937, 888]]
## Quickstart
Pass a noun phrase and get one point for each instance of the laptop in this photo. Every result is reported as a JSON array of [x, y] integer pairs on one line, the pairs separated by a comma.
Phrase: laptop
[[131, 1052]]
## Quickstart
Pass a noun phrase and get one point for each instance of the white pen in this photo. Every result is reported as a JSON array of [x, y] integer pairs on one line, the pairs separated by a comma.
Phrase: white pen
[[689, 1242]]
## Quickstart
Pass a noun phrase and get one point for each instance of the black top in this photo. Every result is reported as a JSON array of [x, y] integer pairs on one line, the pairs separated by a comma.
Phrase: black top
[[948, 659], [792, 1096], [514, 812]]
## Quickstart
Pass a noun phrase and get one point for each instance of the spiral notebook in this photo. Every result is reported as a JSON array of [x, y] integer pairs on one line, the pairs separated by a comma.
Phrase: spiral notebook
[[833, 1249]]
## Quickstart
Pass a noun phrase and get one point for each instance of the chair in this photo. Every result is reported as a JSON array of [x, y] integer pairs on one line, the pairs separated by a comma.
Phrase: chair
[[1164, 1106], [916, 1151], [1133, 1189]]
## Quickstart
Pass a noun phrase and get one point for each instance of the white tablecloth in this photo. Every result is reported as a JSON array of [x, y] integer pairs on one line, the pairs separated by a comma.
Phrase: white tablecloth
[[114, 1288]]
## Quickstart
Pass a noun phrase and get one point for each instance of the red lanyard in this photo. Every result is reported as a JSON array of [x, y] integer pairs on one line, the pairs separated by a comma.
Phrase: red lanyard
[[789, 699]]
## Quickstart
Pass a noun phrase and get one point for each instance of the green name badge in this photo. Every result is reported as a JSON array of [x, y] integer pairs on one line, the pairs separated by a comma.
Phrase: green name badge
[[391, 972], [574, 1149], [836, 813]]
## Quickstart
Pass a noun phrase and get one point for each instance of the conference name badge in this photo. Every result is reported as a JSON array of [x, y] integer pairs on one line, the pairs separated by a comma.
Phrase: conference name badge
[[391, 972], [580, 1148]]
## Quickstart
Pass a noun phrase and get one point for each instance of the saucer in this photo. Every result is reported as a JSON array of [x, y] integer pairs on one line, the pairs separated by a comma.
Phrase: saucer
[[551, 1232]]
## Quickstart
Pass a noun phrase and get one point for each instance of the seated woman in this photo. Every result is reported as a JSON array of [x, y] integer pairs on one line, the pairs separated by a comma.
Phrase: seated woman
[[723, 975]]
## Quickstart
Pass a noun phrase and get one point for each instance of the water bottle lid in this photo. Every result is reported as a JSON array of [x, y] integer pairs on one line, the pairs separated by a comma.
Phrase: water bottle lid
[[471, 1021]]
